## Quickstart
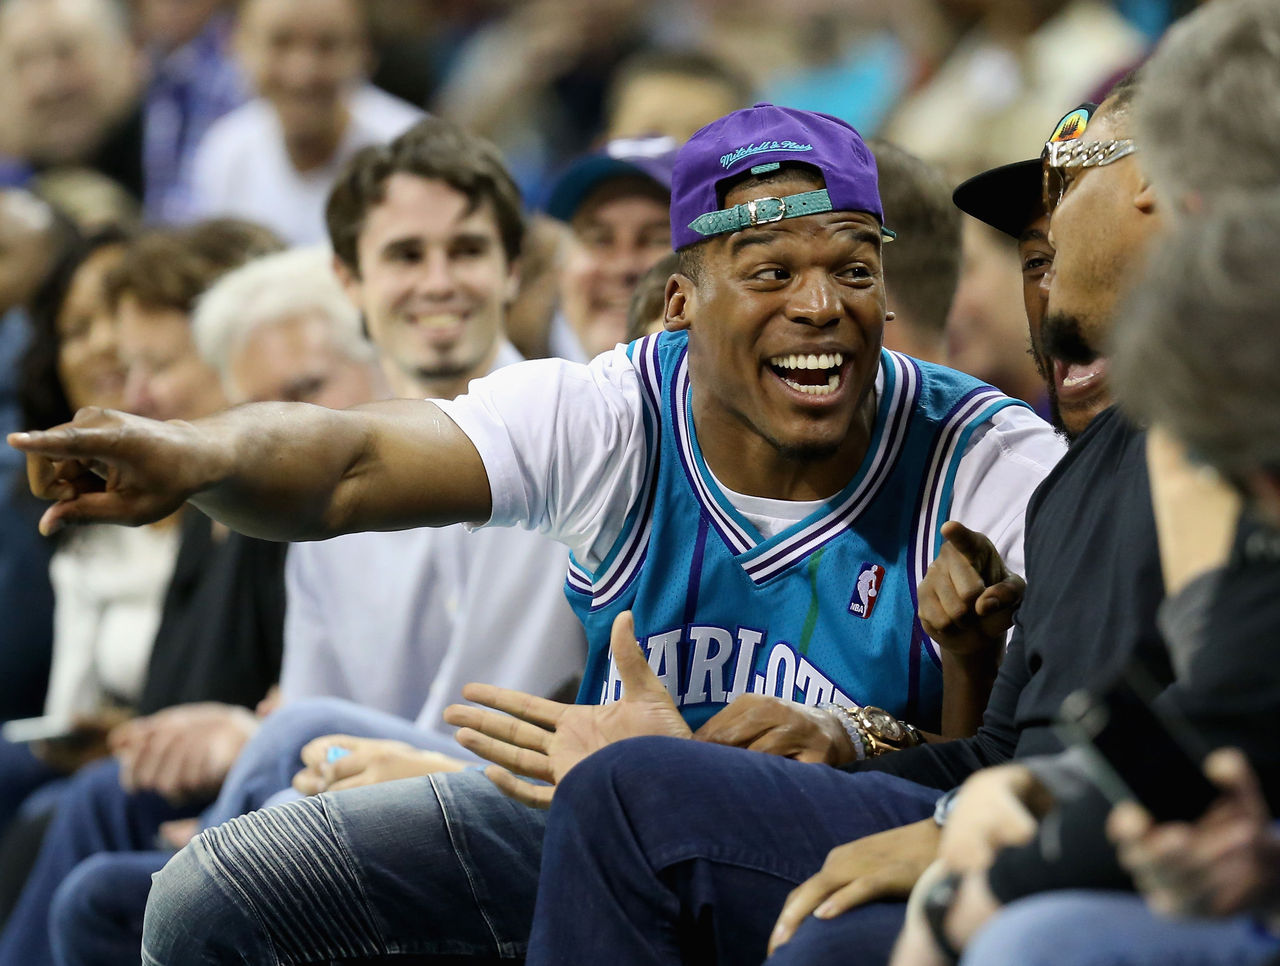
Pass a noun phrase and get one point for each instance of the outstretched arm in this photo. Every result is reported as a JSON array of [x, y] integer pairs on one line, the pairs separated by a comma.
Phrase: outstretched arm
[[280, 471]]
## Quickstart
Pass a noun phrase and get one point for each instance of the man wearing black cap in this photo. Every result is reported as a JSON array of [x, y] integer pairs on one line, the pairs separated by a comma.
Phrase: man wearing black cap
[[1010, 199], [762, 486]]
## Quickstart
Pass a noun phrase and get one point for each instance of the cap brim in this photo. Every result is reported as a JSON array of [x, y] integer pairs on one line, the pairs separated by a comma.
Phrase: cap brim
[[1007, 198], [585, 175]]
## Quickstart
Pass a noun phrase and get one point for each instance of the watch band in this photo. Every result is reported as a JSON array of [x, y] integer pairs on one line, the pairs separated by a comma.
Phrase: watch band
[[851, 727]]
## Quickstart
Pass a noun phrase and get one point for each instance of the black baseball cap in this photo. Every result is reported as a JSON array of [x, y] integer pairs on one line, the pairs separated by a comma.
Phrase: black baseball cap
[[1009, 197]]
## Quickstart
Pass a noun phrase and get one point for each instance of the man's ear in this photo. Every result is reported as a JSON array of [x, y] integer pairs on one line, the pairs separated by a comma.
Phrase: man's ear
[[349, 279], [680, 296], [1145, 200]]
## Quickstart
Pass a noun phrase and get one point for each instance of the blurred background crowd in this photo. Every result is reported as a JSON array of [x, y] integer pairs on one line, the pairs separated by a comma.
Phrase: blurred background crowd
[[149, 147]]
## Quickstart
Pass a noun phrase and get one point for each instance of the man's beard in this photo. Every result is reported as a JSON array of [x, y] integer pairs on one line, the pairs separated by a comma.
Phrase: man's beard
[[1062, 337]]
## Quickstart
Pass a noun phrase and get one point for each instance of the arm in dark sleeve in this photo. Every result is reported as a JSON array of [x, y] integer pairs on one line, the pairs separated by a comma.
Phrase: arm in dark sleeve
[[948, 763]]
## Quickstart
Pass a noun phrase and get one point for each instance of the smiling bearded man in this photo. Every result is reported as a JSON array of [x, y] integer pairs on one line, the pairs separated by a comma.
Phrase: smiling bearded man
[[729, 481]]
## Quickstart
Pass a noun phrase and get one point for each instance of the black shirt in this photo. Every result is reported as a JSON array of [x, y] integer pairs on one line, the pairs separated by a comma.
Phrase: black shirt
[[222, 626], [1093, 587]]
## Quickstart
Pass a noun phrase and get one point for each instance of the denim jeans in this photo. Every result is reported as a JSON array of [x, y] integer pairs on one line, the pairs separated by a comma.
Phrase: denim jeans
[[99, 818], [1113, 929], [442, 865], [93, 815], [661, 850]]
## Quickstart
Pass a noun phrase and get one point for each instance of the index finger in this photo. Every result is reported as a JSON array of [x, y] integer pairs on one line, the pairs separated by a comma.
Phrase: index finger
[[800, 904], [527, 707]]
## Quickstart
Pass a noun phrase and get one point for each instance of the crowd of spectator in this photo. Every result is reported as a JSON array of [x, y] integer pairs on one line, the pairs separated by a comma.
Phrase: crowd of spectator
[[500, 395]]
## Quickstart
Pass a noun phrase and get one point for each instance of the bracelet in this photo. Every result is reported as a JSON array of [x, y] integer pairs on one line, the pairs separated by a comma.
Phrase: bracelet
[[851, 727]]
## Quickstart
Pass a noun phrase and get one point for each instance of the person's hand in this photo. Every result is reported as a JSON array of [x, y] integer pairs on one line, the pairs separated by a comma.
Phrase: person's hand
[[1225, 863], [762, 723], [543, 740], [997, 808], [972, 905], [368, 761], [184, 752], [86, 743], [967, 597], [111, 467], [881, 866]]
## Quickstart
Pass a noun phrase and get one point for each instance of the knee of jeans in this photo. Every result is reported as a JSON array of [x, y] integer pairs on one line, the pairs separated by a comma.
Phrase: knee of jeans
[[74, 899], [309, 717], [635, 763], [184, 905]]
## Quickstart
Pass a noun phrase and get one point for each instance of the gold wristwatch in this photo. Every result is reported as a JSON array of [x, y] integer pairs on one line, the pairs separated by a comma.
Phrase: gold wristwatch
[[882, 732]]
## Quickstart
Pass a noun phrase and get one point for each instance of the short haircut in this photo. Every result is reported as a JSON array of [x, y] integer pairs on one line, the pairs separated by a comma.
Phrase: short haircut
[[921, 268], [1208, 113], [1197, 351], [691, 63], [649, 297], [278, 288], [434, 149], [1121, 96], [169, 268]]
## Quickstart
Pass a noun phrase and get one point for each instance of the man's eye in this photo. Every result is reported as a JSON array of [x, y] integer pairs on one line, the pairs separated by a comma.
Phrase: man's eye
[[1036, 264], [858, 272], [773, 274]]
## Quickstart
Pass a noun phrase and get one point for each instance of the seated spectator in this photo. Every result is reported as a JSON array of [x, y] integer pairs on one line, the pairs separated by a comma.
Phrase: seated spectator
[[74, 78], [32, 238], [275, 158], [107, 587], [922, 264], [609, 832], [615, 205]]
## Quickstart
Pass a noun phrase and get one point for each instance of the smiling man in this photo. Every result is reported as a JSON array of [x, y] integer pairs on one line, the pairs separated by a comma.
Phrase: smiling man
[[729, 481]]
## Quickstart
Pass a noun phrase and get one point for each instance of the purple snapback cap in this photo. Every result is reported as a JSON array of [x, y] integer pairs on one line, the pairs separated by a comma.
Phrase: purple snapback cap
[[648, 157], [759, 139]]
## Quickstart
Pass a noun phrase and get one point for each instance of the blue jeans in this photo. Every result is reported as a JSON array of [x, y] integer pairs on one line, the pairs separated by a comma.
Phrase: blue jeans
[[661, 850], [1112, 929], [101, 819], [96, 915], [93, 815], [442, 865]]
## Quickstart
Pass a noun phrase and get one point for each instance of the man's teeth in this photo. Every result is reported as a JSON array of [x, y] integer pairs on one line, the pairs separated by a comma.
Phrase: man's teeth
[[440, 321], [832, 361], [811, 361]]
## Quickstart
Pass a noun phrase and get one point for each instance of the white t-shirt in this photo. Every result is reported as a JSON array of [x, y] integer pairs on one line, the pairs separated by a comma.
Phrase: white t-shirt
[[241, 168], [108, 590], [565, 450], [400, 621]]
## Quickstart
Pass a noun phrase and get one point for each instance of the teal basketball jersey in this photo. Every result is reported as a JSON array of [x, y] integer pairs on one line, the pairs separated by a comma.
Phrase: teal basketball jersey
[[824, 610]]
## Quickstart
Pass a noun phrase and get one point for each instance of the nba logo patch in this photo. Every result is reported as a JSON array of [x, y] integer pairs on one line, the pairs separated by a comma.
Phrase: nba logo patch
[[866, 590]]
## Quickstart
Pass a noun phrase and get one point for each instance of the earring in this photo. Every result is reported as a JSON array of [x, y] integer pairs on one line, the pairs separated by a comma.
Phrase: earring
[[890, 316]]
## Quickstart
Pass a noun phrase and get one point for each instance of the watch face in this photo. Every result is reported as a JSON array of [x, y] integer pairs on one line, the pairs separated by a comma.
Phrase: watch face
[[883, 724]]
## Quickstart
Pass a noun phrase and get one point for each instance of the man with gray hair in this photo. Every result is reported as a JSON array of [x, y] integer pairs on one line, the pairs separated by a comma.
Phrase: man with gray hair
[[282, 328]]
